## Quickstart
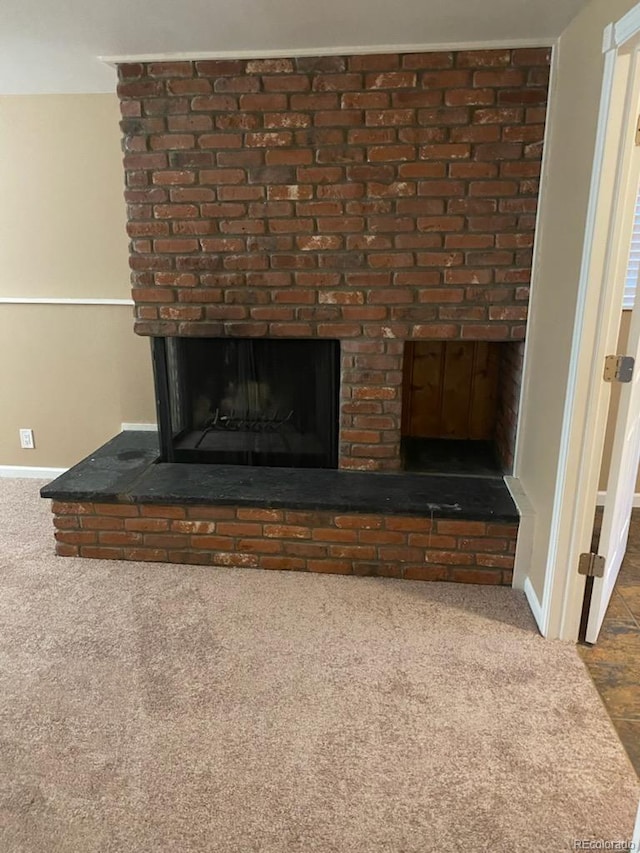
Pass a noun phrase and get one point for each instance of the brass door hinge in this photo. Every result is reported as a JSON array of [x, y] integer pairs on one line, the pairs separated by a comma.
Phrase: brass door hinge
[[619, 368], [591, 565]]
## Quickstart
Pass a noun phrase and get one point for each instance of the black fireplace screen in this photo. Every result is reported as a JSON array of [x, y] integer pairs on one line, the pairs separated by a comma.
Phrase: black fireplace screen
[[247, 401]]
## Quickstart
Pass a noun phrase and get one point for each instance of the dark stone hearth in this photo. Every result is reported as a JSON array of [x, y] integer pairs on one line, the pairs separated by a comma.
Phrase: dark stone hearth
[[109, 471], [125, 471]]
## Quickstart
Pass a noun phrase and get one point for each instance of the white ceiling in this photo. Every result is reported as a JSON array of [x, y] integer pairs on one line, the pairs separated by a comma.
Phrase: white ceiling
[[48, 47]]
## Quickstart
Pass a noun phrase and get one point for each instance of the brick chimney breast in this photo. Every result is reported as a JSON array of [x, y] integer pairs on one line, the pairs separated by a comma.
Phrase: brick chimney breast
[[372, 199]]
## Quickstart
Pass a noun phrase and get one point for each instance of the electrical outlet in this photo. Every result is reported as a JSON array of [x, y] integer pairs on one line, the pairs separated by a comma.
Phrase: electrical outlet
[[26, 439]]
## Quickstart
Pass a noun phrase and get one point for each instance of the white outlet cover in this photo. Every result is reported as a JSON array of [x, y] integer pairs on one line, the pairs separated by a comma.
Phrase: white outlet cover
[[26, 439]]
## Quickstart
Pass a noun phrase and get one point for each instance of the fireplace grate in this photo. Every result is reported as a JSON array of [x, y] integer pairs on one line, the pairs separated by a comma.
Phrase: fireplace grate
[[247, 422]]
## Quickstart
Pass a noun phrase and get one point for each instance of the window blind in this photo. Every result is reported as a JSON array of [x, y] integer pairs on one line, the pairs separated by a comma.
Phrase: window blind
[[633, 267]]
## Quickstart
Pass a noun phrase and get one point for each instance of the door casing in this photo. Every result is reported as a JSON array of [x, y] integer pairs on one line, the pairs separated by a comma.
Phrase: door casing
[[595, 334]]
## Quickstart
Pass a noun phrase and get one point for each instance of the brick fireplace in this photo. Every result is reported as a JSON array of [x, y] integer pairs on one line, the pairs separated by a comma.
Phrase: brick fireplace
[[381, 202], [370, 199]]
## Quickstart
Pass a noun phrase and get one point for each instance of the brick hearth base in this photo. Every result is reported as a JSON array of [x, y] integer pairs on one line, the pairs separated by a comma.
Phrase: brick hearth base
[[397, 546]]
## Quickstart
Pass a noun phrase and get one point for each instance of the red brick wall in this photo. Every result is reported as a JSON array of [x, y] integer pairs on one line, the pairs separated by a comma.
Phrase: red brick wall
[[509, 402], [341, 543], [373, 199]]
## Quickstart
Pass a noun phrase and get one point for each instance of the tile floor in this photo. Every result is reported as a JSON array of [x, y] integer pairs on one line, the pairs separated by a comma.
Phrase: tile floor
[[614, 662]]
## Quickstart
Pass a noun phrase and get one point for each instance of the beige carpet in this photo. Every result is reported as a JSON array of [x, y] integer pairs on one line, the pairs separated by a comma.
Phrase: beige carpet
[[148, 708]]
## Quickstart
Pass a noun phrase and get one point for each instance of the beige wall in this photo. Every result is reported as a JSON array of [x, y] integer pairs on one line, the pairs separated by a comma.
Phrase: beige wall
[[62, 214], [569, 157], [73, 373]]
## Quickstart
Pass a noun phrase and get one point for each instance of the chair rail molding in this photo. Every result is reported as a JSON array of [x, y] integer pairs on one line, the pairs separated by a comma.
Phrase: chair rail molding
[[61, 300]]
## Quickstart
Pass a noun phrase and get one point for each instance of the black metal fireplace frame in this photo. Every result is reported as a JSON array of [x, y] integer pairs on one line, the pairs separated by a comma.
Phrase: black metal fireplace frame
[[170, 439]]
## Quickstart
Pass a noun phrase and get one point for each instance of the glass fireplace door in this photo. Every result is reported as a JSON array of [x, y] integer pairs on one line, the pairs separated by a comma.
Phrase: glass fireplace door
[[248, 401]]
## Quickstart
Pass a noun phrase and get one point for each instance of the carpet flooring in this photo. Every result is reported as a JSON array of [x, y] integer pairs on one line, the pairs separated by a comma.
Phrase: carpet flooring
[[149, 708]]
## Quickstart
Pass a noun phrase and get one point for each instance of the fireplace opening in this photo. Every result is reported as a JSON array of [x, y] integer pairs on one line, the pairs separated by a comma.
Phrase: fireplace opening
[[247, 401], [460, 406]]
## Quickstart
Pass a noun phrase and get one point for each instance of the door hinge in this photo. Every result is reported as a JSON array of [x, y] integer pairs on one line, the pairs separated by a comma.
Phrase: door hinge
[[638, 132], [618, 368], [591, 565]]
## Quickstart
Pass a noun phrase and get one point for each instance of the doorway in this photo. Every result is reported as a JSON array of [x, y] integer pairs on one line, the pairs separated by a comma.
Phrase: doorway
[[615, 178], [618, 482]]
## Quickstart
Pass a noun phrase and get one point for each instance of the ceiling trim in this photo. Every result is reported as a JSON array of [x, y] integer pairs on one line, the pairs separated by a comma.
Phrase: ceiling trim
[[343, 50], [627, 27]]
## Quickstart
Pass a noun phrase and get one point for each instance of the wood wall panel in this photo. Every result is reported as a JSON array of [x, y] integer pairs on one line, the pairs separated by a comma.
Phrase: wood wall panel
[[450, 389]]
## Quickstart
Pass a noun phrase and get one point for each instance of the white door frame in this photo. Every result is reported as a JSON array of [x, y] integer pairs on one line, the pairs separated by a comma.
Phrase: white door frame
[[595, 335]]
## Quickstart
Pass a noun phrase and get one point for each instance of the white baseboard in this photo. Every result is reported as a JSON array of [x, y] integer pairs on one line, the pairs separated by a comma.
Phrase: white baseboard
[[142, 427], [520, 499], [534, 604], [526, 529], [635, 843], [30, 471], [603, 495]]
